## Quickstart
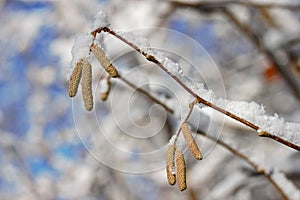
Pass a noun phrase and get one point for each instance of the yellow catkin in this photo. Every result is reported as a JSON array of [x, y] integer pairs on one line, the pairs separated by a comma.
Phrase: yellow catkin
[[180, 170], [75, 78], [87, 85], [190, 141], [170, 166], [104, 61]]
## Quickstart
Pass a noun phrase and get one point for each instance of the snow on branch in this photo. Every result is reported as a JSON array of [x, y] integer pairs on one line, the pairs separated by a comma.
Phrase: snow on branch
[[251, 114], [256, 114]]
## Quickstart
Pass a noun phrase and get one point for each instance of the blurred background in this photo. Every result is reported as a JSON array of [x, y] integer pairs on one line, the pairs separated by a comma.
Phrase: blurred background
[[51, 148]]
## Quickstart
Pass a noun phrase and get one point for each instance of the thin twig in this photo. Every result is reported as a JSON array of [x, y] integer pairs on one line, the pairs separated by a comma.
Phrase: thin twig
[[185, 120], [257, 168], [229, 3], [199, 99], [292, 42], [283, 69]]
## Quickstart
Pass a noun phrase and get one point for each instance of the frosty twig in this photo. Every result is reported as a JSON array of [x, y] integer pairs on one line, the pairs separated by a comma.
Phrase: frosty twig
[[151, 58]]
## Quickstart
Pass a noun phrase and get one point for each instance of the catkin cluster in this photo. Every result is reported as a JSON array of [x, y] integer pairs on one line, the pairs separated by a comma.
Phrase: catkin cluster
[[83, 72], [175, 163]]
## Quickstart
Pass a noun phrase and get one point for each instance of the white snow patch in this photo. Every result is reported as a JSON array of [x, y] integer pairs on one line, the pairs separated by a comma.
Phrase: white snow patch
[[256, 114], [81, 48], [103, 85]]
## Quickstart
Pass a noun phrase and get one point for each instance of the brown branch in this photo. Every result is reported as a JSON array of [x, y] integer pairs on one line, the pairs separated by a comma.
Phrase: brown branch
[[292, 42], [151, 58], [202, 4], [283, 69], [257, 168]]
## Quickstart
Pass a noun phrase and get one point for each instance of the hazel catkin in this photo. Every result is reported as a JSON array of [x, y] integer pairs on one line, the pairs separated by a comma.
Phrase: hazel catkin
[[190, 141], [75, 78], [104, 61], [180, 170], [170, 164], [87, 85]]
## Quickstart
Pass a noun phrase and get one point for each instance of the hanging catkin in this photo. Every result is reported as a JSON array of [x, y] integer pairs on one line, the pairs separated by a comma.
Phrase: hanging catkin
[[104, 61], [190, 141], [87, 85], [75, 78], [170, 166], [180, 170]]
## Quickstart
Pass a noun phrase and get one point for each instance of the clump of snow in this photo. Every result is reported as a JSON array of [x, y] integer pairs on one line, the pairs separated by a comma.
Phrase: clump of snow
[[256, 114], [286, 185], [170, 65], [103, 85], [135, 39], [201, 91], [81, 47], [249, 111], [172, 140], [100, 20]]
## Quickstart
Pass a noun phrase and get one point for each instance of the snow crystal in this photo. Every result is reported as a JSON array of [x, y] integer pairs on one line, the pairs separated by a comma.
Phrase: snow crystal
[[100, 20], [286, 185]]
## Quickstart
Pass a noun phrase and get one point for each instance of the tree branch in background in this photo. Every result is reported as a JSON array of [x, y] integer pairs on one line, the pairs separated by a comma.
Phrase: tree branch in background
[[283, 69], [244, 157], [240, 3], [222, 7]]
